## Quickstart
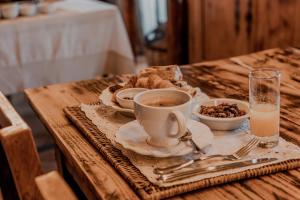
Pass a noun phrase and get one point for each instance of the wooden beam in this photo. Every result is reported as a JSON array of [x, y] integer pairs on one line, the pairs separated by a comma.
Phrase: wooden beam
[[196, 41], [297, 28], [130, 13], [177, 32]]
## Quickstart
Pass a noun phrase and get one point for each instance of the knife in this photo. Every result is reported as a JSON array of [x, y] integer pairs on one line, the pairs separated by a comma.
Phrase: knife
[[176, 176]]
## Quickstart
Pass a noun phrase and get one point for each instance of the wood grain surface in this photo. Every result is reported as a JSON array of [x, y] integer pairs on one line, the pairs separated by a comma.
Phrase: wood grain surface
[[223, 78], [219, 29], [275, 23], [19, 161], [226, 31], [195, 30], [52, 187]]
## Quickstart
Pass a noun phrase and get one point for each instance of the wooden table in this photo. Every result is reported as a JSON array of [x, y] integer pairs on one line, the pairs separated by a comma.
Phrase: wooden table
[[223, 78]]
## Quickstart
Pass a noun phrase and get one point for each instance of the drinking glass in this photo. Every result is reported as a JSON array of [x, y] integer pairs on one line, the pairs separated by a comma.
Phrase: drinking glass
[[264, 100]]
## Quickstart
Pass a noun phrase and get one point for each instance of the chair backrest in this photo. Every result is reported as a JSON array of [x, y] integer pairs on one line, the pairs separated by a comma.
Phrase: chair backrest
[[53, 187], [20, 168], [19, 159]]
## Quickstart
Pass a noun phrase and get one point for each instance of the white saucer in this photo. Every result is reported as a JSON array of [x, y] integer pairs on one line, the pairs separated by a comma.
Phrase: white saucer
[[106, 97], [133, 137]]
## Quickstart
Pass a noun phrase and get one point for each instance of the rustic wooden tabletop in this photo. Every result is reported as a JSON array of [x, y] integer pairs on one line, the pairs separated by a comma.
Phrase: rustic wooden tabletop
[[222, 78]]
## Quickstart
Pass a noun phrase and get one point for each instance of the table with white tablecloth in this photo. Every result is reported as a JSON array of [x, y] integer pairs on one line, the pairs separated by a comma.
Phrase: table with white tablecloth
[[82, 39]]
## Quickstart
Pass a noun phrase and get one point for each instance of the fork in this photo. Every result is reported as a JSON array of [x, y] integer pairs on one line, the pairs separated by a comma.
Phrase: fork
[[239, 154]]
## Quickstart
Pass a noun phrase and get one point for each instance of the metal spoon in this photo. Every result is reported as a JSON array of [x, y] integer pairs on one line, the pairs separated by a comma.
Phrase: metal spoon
[[188, 137]]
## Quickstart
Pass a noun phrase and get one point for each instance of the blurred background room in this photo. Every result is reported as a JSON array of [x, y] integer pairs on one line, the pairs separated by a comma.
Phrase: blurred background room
[[86, 39]]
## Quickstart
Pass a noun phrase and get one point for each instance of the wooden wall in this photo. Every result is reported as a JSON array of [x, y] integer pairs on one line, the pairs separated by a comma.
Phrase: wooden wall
[[176, 35], [200, 30], [225, 28]]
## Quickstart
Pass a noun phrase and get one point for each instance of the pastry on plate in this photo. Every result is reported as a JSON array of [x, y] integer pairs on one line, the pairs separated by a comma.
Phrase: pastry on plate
[[169, 72], [155, 78]]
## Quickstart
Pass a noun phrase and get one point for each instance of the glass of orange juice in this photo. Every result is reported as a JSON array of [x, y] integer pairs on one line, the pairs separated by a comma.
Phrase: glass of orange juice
[[264, 100]]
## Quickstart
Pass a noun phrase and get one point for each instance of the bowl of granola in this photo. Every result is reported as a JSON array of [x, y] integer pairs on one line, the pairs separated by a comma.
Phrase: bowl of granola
[[222, 113], [125, 97]]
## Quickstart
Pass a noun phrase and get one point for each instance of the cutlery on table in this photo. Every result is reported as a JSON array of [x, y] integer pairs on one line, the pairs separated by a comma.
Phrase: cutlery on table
[[176, 176], [188, 137], [239, 154]]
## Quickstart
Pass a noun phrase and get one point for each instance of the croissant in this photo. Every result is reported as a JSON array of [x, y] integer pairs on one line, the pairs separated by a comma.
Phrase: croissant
[[142, 82], [153, 81], [170, 72], [156, 78], [165, 84]]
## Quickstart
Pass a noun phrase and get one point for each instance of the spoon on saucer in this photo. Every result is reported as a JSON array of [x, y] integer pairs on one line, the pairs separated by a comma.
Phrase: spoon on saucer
[[188, 137]]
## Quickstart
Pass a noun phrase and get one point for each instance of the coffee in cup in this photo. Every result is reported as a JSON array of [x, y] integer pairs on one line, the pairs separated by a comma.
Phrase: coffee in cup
[[163, 114], [165, 103]]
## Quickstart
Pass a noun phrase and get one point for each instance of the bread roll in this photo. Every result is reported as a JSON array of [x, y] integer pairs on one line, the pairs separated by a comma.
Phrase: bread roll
[[142, 82], [170, 72], [153, 81], [165, 84]]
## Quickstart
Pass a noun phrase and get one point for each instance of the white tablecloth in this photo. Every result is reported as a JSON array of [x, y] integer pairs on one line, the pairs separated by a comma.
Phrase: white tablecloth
[[82, 39]]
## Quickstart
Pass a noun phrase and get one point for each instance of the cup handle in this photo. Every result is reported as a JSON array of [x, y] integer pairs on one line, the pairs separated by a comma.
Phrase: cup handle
[[181, 124]]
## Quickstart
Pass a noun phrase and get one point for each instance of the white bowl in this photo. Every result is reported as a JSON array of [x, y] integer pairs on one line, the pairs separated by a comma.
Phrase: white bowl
[[46, 7], [223, 124], [28, 9], [128, 93], [10, 10]]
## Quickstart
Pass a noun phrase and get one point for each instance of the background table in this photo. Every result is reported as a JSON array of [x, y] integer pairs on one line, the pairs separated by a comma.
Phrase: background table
[[84, 38], [224, 78]]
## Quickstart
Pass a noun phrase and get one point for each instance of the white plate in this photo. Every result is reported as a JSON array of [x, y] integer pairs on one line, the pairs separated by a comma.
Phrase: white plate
[[106, 97], [133, 137]]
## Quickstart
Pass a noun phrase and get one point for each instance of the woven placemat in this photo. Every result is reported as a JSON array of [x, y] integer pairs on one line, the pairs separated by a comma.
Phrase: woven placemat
[[141, 185]]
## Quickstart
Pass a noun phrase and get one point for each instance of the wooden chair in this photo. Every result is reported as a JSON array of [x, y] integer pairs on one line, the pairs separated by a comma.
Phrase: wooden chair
[[52, 187], [20, 163]]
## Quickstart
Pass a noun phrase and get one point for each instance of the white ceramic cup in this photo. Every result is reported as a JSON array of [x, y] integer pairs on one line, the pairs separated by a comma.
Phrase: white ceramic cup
[[46, 7], [28, 9], [10, 10], [164, 124]]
